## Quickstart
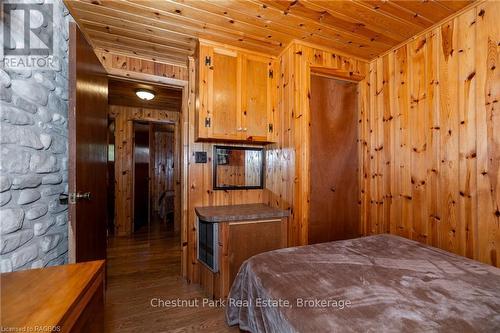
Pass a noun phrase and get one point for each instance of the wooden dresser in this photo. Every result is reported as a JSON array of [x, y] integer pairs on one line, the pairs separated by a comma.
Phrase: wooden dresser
[[68, 298], [240, 232]]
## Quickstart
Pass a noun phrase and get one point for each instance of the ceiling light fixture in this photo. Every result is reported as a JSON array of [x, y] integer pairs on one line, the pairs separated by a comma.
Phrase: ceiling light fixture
[[145, 94]]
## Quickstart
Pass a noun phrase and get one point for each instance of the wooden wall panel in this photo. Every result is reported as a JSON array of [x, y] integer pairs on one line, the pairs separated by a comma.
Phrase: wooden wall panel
[[433, 104], [200, 188], [487, 78], [122, 65], [287, 161], [162, 168], [416, 96]]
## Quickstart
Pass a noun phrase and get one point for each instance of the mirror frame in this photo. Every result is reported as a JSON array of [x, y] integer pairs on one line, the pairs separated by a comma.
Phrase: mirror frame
[[214, 166]]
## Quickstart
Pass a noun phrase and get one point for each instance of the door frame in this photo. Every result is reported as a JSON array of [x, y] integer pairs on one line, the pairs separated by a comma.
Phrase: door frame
[[340, 75], [187, 107], [177, 177]]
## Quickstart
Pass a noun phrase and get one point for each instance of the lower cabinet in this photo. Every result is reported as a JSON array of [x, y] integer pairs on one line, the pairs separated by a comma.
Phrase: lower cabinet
[[239, 241]]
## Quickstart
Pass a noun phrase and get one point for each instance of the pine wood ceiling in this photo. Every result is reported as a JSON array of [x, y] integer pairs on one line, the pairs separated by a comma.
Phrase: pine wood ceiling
[[167, 30]]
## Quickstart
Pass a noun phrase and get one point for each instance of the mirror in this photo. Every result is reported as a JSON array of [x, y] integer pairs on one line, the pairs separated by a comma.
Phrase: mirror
[[237, 168]]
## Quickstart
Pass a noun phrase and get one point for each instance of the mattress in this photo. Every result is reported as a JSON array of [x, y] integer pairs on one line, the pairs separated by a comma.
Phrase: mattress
[[381, 283]]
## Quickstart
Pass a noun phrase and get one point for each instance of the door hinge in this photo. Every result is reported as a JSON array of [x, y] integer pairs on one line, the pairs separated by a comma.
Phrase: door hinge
[[270, 128], [208, 61], [208, 122], [271, 73]]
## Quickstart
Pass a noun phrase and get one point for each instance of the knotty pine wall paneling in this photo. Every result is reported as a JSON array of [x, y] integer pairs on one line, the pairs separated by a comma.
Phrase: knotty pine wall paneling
[[287, 169], [124, 142], [431, 154], [142, 69], [487, 95], [200, 189]]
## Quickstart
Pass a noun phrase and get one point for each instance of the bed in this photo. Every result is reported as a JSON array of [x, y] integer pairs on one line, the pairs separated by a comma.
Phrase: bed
[[379, 283]]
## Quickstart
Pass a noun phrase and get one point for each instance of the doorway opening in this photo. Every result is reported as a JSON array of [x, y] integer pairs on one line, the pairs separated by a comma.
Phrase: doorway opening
[[154, 175], [334, 209], [144, 159]]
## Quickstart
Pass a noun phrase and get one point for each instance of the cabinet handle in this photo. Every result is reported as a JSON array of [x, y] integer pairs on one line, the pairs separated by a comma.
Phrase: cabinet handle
[[244, 130], [239, 129]]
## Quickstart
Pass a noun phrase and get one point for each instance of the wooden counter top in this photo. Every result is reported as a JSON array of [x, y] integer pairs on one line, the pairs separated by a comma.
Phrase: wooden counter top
[[52, 297], [233, 213]]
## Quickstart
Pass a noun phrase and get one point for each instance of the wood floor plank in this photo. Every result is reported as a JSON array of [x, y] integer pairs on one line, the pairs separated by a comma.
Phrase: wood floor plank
[[146, 266]]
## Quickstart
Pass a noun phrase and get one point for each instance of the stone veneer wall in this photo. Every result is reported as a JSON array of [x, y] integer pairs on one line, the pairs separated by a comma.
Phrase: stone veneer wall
[[33, 160]]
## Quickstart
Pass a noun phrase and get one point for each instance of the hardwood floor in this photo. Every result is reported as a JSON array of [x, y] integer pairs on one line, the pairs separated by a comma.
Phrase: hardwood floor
[[147, 266]]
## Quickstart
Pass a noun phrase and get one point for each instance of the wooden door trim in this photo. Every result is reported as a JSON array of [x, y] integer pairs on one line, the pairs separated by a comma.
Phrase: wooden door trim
[[337, 74], [182, 131], [71, 138]]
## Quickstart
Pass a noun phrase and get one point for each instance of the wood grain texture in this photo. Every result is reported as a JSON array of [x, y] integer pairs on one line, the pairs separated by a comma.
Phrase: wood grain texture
[[238, 241], [124, 143], [134, 66], [236, 94], [441, 123], [145, 267], [334, 212], [167, 30], [87, 150], [163, 166], [58, 297], [288, 162]]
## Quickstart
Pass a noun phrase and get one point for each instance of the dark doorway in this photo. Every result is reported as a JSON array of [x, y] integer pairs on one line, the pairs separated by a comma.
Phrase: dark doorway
[[141, 175], [154, 190]]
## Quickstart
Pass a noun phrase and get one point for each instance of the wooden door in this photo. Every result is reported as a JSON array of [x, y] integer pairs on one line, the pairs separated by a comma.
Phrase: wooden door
[[334, 208], [256, 97], [88, 149]]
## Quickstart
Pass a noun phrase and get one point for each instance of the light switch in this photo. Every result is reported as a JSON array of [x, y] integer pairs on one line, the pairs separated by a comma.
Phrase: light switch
[[200, 157]]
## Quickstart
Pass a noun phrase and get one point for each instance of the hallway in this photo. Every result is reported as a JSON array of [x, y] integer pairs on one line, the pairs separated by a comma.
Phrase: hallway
[[147, 266]]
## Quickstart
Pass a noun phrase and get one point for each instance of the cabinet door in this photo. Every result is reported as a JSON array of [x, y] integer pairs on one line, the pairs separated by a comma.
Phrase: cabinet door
[[219, 96], [224, 95], [246, 239], [256, 98]]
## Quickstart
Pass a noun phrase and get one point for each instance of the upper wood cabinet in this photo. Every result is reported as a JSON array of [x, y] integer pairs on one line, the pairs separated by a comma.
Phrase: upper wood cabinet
[[236, 93]]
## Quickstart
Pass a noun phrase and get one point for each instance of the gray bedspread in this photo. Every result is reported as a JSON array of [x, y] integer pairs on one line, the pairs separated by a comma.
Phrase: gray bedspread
[[380, 283]]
